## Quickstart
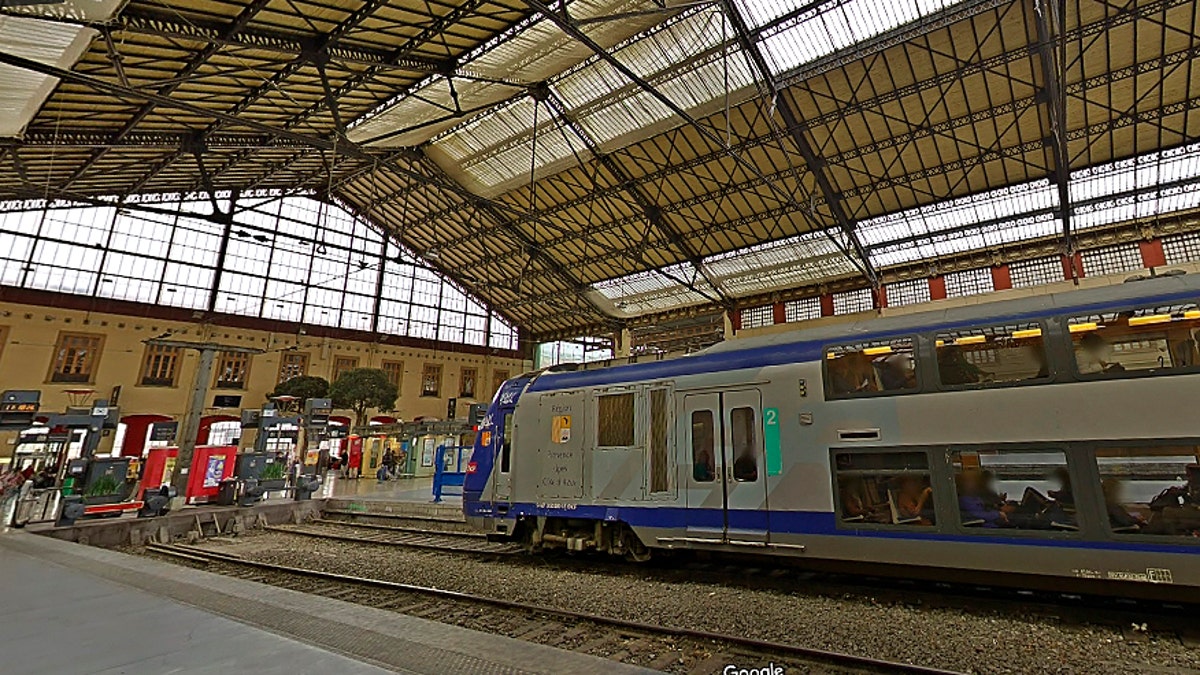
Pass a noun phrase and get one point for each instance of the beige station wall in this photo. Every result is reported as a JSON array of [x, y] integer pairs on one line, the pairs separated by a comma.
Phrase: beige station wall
[[29, 333]]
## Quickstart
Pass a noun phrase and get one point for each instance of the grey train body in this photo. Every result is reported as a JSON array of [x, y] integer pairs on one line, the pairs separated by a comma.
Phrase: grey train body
[[585, 475]]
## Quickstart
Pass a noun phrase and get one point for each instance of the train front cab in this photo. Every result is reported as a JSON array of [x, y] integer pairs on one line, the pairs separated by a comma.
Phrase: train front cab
[[487, 488]]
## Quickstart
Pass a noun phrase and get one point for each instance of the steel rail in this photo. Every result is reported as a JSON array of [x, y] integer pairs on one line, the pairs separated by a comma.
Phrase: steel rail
[[783, 649]]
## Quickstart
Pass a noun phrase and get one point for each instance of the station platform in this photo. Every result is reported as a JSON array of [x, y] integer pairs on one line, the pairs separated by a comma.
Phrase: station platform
[[70, 608], [416, 490]]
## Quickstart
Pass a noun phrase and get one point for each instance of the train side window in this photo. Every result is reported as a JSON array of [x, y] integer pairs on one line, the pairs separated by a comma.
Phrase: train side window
[[704, 461], [1151, 490], [870, 367], [506, 444], [1150, 339], [993, 354], [1025, 489], [615, 420], [660, 420], [888, 488], [745, 444]]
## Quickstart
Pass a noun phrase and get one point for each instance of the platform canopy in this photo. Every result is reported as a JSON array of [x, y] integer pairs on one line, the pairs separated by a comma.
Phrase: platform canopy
[[582, 163]]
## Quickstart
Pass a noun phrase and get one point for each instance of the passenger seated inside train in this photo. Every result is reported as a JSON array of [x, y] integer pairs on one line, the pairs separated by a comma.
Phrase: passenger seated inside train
[[897, 371], [1093, 354], [977, 505], [850, 373], [857, 506], [745, 466], [981, 505], [954, 368], [913, 501], [1120, 519]]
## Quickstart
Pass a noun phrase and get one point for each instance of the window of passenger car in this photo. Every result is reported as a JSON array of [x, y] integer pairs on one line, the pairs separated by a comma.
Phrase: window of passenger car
[[1147, 339], [886, 488], [1019, 489], [1001, 354], [615, 427], [1152, 490], [866, 368], [704, 461]]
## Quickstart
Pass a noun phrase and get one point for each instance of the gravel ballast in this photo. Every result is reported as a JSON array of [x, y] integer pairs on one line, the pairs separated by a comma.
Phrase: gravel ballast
[[954, 639]]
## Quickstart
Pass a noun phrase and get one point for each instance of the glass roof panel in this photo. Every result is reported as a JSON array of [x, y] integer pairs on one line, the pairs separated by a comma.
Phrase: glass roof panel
[[533, 51], [688, 58], [1137, 187], [798, 32]]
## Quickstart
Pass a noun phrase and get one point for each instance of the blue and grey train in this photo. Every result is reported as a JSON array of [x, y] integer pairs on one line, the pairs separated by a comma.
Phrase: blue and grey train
[[1033, 440]]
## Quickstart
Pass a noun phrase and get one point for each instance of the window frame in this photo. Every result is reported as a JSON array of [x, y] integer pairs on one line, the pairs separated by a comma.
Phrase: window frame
[[1096, 494], [1071, 452], [714, 438], [437, 392], [1048, 351], [936, 481], [918, 369], [95, 362], [462, 380], [333, 368], [176, 362], [222, 355], [399, 366], [1068, 346], [498, 382], [283, 359], [635, 427]]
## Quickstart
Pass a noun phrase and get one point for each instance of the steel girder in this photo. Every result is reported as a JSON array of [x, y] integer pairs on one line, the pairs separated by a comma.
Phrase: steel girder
[[1050, 22], [139, 20], [651, 211], [567, 25], [195, 63], [796, 131]]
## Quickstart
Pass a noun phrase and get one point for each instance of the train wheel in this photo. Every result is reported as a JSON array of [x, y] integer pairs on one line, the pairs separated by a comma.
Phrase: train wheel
[[635, 550]]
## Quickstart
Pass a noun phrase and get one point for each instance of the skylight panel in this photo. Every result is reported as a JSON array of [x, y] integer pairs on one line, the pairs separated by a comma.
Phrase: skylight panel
[[24, 91], [534, 51], [1108, 193], [793, 37]]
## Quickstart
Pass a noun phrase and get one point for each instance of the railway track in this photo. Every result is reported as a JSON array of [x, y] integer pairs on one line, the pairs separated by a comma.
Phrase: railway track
[[415, 521], [668, 648], [1167, 618], [368, 533]]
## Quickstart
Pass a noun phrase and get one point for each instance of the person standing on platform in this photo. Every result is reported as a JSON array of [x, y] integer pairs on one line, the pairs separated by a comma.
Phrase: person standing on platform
[[389, 462]]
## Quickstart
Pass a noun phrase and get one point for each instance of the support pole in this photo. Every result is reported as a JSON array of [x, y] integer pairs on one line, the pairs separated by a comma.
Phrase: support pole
[[191, 423]]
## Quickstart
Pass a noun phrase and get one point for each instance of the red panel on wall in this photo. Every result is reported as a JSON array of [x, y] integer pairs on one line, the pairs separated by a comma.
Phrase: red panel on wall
[[137, 427], [1152, 253], [206, 423], [1001, 278], [937, 288]]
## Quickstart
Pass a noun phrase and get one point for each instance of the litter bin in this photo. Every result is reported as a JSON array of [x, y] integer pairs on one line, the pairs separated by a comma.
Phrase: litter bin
[[227, 492]]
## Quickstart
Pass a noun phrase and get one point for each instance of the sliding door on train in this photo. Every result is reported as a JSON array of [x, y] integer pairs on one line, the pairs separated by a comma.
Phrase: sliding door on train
[[726, 487]]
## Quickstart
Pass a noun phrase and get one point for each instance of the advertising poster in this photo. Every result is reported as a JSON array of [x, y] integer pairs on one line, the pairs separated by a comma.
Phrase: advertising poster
[[214, 472], [427, 453]]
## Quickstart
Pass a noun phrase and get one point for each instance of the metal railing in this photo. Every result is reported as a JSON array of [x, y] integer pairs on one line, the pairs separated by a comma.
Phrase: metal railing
[[447, 456]]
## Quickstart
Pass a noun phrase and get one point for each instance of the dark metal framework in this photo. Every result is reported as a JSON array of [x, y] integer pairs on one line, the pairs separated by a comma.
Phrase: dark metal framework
[[869, 151]]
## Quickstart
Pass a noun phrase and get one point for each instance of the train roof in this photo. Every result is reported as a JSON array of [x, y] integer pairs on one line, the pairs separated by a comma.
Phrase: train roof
[[804, 344]]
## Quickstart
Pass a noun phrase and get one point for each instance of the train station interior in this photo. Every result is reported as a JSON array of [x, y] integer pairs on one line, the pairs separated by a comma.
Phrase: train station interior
[[316, 313]]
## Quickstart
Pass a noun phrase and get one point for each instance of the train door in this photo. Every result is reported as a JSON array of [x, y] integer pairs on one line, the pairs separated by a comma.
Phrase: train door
[[746, 514], [502, 463], [726, 484]]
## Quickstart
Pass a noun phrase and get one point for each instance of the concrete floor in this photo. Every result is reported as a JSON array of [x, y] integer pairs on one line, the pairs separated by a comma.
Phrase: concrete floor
[[419, 490]]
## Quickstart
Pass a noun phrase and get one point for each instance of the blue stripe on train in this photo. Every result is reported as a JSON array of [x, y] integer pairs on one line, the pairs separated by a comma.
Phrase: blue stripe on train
[[802, 522], [801, 350]]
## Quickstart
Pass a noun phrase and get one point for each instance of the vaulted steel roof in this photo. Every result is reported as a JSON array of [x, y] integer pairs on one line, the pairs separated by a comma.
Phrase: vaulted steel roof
[[577, 164]]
